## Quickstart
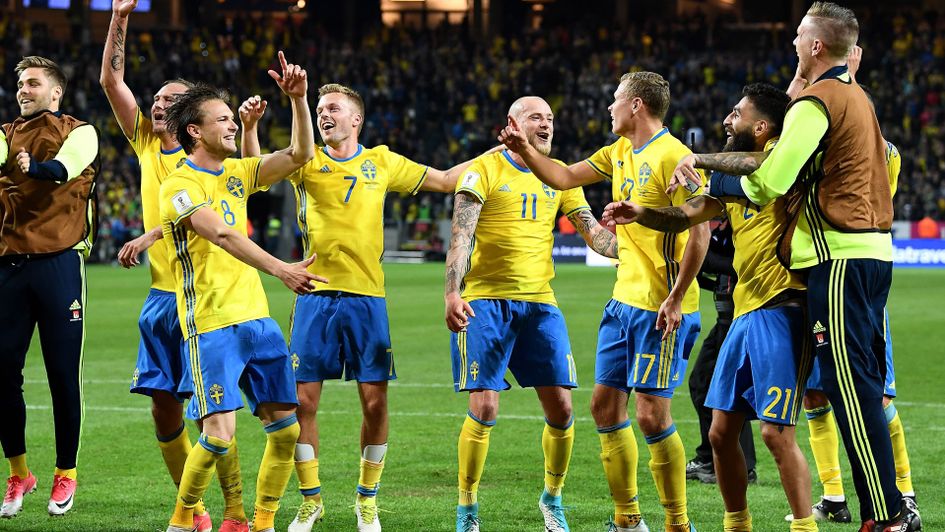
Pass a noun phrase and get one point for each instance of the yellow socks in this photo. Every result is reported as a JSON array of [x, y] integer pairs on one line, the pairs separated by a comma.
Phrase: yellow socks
[[618, 454], [825, 445], [473, 448], [174, 450], [556, 443], [306, 467], [808, 524], [900, 455], [231, 484], [68, 473], [274, 469], [18, 466], [668, 466], [737, 521], [198, 469]]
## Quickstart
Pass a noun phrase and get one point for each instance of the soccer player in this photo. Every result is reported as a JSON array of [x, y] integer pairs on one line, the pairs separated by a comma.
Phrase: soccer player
[[161, 365], [502, 311], [47, 222], [232, 343], [765, 358], [342, 329], [654, 290], [840, 236]]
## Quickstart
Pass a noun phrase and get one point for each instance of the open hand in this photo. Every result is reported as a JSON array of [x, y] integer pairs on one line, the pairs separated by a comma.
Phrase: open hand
[[685, 175], [297, 278], [621, 212], [293, 81]]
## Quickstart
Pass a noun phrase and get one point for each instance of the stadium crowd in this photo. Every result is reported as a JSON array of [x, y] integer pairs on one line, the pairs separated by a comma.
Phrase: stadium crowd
[[439, 96]]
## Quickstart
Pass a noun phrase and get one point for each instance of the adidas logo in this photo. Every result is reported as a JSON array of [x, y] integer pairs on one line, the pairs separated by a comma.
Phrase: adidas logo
[[325, 169], [75, 305], [505, 188], [819, 327]]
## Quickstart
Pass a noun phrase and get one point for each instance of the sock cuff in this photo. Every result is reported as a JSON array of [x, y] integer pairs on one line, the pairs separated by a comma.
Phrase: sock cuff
[[820, 411], [280, 423], [656, 438], [368, 492], [613, 428], [214, 445], [890, 412], [311, 491], [471, 416], [566, 426], [171, 437]]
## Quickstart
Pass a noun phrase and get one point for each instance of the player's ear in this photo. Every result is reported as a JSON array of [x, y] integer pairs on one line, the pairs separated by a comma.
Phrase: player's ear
[[57, 93], [194, 131], [356, 120], [760, 127]]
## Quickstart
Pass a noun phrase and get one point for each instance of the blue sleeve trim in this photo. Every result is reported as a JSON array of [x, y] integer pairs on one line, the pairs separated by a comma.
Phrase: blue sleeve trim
[[598, 170], [613, 428], [190, 212], [473, 192], [578, 209], [48, 171], [281, 424], [656, 438], [419, 184], [481, 422], [726, 185]]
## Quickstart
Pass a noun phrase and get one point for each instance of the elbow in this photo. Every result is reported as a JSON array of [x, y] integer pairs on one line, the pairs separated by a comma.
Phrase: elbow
[[300, 156], [221, 237]]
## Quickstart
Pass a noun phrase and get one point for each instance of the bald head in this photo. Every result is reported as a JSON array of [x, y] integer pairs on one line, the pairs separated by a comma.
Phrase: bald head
[[534, 116]]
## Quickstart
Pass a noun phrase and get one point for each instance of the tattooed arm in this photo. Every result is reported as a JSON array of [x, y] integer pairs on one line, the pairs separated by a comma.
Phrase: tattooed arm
[[112, 77], [466, 211], [733, 163], [597, 237], [699, 209]]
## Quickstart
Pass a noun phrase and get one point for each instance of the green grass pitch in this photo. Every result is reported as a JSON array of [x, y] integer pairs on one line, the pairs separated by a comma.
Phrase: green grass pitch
[[123, 484]]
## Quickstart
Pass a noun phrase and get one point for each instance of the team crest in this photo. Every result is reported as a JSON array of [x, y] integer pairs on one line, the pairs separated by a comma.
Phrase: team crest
[[369, 170], [235, 186], [550, 192], [76, 310], [216, 393], [820, 333], [619, 164], [134, 377], [474, 370], [644, 174], [295, 361]]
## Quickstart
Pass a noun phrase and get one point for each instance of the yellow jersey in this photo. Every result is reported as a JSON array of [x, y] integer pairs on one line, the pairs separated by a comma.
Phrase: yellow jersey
[[893, 166], [511, 255], [340, 209], [648, 259], [214, 289], [155, 165]]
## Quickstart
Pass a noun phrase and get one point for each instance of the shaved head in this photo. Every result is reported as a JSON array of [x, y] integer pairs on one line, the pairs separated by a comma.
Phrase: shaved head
[[526, 103], [535, 117]]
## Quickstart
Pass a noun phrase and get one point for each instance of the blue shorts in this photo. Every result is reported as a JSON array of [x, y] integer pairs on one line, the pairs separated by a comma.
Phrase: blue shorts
[[889, 387], [763, 365], [161, 365], [631, 354], [249, 356], [529, 339], [338, 333]]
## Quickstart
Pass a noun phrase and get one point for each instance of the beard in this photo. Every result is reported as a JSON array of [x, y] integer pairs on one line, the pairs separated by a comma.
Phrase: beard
[[740, 141], [543, 148]]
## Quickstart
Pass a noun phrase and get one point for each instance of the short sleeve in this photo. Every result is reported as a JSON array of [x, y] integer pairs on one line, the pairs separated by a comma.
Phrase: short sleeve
[[405, 175], [474, 181], [602, 161], [573, 201], [142, 135], [180, 198], [249, 169]]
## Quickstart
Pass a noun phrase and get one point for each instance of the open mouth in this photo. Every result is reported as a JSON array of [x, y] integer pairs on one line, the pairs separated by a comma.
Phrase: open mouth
[[543, 135], [25, 101], [327, 126]]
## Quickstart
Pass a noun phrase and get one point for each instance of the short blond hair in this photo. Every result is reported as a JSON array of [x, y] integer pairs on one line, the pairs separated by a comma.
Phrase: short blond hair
[[50, 68], [649, 87], [351, 94], [837, 28]]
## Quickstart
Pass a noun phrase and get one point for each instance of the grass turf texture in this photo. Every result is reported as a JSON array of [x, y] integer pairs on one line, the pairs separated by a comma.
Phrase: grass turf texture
[[123, 483]]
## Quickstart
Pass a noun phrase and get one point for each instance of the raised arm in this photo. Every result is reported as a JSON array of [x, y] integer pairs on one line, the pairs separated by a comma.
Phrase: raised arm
[[445, 181], [697, 210], [597, 236], [277, 166], [251, 111], [112, 77], [733, 163], [549, 172], [466, 209], [209, 225]]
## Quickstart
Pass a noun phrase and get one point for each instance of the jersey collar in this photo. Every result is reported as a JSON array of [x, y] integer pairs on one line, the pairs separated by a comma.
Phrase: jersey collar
[[658, 135], [325, 149], [834, 72], [171, 152], [505, 153], [202, 169]]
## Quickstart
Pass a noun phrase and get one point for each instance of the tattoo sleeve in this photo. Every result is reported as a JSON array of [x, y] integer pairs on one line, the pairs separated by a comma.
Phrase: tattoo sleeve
[[466, 211], [117, 60], [671, 219], [599, 239], [735, 163]]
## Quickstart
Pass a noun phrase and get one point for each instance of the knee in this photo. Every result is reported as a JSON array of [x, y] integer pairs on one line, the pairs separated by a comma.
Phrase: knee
[[485, 407], [167, 413], [561, 416], [374, 406], [777, 438], [651, 422], [605, 413], [717, 437]]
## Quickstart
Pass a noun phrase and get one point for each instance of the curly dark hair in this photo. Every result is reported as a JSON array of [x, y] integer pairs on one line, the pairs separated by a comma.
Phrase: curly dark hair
[[186, 110], [770, 101]]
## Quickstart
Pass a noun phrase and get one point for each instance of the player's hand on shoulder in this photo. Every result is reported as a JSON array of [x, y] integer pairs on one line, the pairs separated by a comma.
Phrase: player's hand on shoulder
[[123, 8], [23, 160], [296, 277], [293, 80], [458, 312], [513, 137], [620, 212], [685, 175], [251, 111]]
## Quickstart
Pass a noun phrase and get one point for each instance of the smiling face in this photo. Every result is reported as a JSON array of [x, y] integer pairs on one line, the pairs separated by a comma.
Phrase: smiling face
[[535, 118], [338, 118], [162, 100], [622, 110], [806, 44], [37, 91], [741, 127], [216, 132]]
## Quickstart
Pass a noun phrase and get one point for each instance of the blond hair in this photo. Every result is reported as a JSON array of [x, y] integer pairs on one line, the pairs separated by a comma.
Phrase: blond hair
[[350, 93], [837, 28], [649, 87]]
